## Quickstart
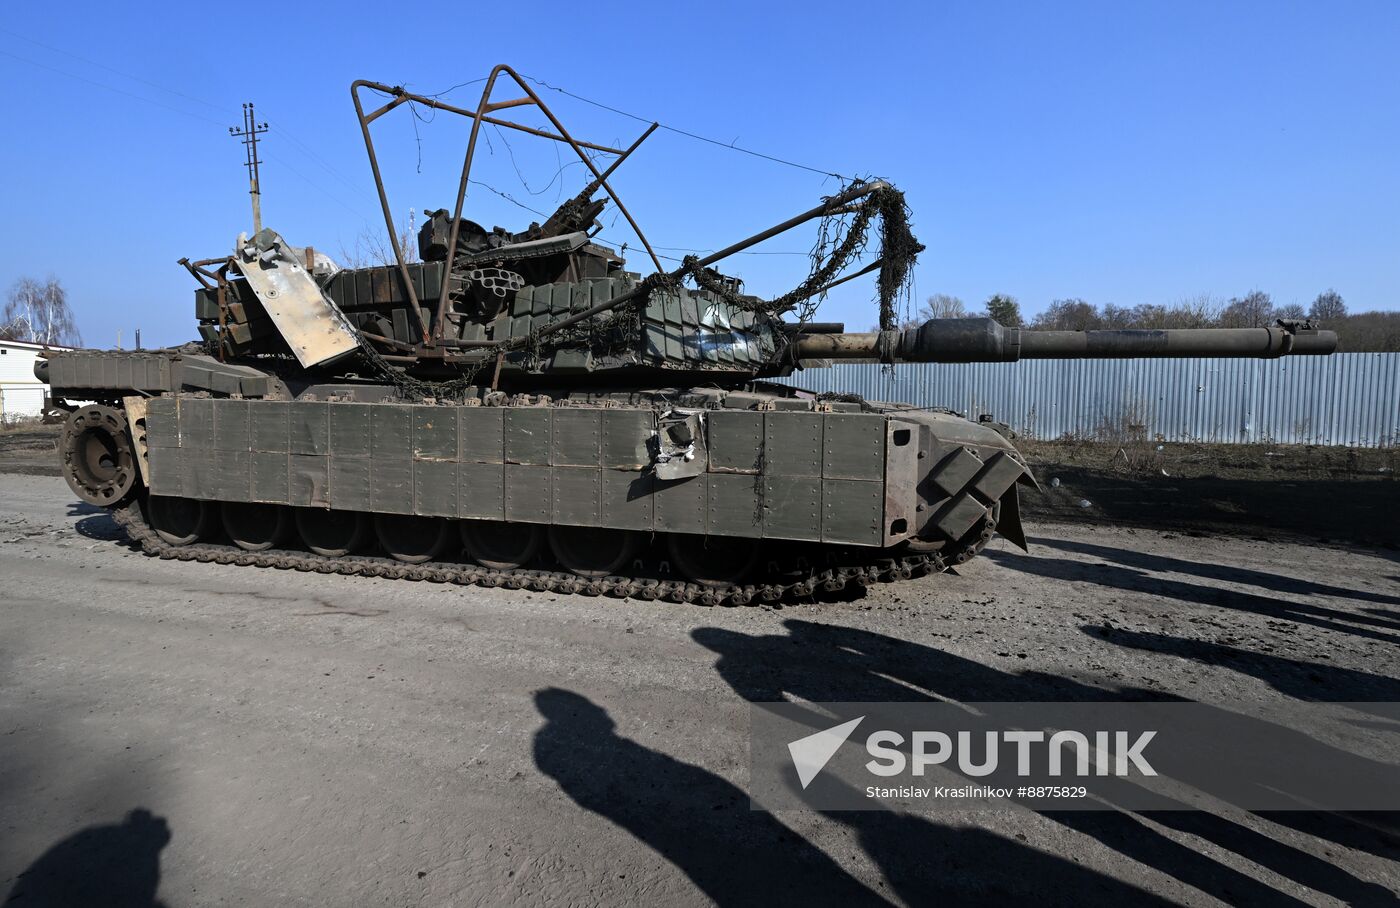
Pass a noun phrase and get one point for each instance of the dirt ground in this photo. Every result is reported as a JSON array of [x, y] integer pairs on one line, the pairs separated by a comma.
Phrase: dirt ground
[[208, 734], [30, 449], [1265, 491]]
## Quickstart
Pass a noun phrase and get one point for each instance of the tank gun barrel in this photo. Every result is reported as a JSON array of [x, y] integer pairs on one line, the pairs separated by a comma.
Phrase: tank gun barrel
[[981, 340]]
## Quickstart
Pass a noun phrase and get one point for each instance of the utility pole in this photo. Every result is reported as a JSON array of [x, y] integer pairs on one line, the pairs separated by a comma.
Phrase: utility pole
[[249, 132]]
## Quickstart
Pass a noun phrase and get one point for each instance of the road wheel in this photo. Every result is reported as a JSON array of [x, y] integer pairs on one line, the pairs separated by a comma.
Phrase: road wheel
[[333, 534], [255, 526], [500, 545], [98, 461], [593, 552], [411, 538], [181, 521], [713, 561]]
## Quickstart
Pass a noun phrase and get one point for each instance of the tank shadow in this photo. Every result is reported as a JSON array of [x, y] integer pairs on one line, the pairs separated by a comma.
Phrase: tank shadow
[[820, 662], [82, 509], [99, 526], [1137, 581], [1225, 573], [1297, 678], [116, 865]]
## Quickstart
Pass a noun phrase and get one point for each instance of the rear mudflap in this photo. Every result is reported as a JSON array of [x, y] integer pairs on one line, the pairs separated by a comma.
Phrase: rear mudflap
[[1009, 520]]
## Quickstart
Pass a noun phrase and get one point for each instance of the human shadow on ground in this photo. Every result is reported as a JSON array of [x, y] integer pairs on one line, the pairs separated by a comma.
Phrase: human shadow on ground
[[703, 825], [1225, 573], [692, 817], [115, 865], [1297, 678], [822, 662], [1137, 581]]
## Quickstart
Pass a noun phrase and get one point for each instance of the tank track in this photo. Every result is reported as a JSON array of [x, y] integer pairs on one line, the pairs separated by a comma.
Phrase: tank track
[[828, 579]]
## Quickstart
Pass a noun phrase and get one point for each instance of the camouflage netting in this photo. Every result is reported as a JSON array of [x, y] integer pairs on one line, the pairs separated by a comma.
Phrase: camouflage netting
[[839, 243]]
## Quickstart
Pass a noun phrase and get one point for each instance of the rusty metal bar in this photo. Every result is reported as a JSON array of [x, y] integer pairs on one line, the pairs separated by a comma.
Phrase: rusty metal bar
[[197, 273], [381, 111], [452, 108], [388, 341], [200, 270], [409, 292], [222, 297], [502, 105], [457, 342], [462, 198], [850, 277], [623, 155]]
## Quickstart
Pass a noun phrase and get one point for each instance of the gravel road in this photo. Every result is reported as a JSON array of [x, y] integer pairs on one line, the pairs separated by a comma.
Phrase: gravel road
[[212, 734]]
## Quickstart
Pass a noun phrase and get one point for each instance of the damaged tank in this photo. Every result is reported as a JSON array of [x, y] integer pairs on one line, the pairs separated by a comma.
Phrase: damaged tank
[[520, 409]]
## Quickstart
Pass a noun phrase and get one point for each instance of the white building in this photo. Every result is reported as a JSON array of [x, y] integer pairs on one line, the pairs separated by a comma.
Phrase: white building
[[21, 394]]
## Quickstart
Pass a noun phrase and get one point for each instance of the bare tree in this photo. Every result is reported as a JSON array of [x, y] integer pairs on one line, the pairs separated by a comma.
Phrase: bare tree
[[941, 305], [1068, 315], [372, 247], [1116, 317], [39, 313], [1194, 312], [1328, 306], [1253, 310], [1292, 310], [1004, 310], [1151, 315]]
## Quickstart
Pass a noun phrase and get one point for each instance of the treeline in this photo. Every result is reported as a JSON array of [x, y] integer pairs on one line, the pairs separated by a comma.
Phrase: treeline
[[1360, 333]]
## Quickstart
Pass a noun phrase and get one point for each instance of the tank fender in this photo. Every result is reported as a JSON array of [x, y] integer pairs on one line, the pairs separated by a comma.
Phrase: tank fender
[[1009, 520]]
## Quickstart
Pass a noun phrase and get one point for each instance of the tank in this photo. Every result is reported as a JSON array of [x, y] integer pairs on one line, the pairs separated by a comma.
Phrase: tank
[[517, 408]]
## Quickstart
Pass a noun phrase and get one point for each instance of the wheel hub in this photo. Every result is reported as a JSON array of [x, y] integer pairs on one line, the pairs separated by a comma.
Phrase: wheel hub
[[98, 462]]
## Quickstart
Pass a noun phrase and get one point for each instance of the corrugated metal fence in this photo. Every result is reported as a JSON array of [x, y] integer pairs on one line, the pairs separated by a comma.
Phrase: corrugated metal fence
[[1343, 399]]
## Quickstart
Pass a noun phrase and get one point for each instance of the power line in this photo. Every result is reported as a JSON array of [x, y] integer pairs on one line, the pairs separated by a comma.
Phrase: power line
[[732, 146], [301, 146], [134, 78], [111, 88], [508, 197], [316, 186], [306, 150], [648, 120], [448, 91]]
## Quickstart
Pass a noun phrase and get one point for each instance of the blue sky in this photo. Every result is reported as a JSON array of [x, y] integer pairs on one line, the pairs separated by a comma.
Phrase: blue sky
[[1121, 152]]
